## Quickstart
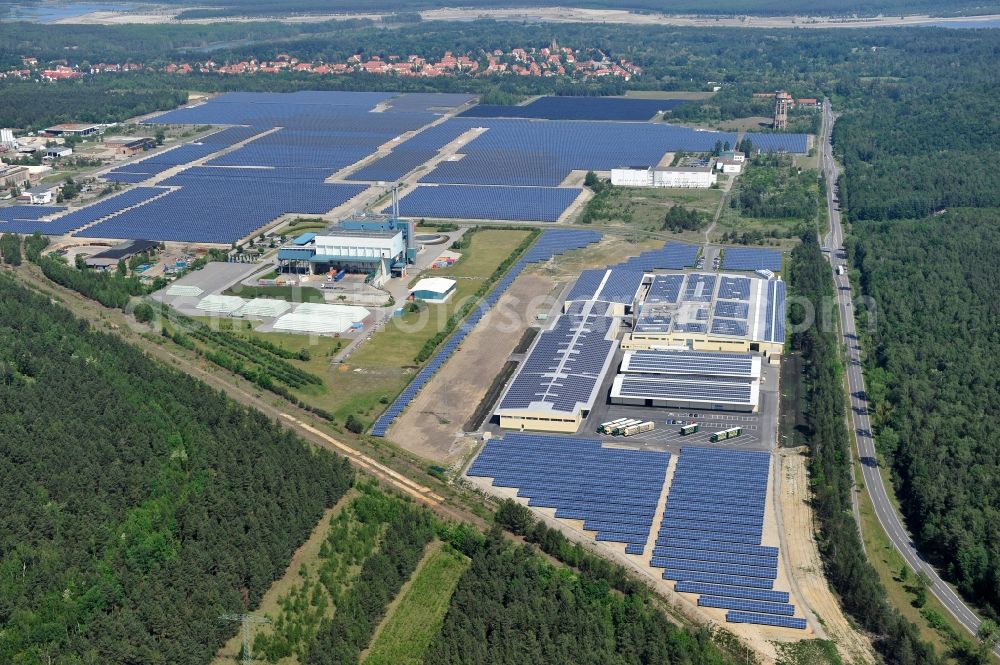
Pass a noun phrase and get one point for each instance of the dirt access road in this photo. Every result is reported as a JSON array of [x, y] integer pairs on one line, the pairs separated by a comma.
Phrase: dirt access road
[[431, 426]]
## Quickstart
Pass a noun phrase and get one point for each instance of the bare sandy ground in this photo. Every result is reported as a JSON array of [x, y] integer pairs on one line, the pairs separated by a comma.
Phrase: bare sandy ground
[[432, 425], [548, 15], [802, 553]]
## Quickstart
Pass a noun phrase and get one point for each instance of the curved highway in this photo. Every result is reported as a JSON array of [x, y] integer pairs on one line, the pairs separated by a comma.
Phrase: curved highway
[[873, 482]]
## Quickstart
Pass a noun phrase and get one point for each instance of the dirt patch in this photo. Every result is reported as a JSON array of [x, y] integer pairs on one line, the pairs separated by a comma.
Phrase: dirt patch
[[802, 554], [432, 425], [482, 411]]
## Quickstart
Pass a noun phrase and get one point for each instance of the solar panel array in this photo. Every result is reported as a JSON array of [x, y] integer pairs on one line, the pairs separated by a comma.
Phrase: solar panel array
[[577, 108], [778, 142], [427, 102], [621, 286], [111, 205], [751, 258], [710, 537], [672, 256], [221, 210], [685, 390], [728, 327], [696, 363], [614, 491], [587, 285], [774, 312], [550, 243], [183, 154], [564, 366], [664, 289], [28, 211], [699, 287], [542, 153], [410, 154], [731, 309], [734, 288], [526, 204]]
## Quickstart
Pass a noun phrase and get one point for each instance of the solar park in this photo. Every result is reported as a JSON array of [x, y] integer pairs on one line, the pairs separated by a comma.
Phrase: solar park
[[287, 153], [551, 243], [709, 540]]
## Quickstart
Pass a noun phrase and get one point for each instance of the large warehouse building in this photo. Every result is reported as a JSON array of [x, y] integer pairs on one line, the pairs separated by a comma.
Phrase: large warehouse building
[[559, 380], [689, 380], [710, 312], [687, 177]]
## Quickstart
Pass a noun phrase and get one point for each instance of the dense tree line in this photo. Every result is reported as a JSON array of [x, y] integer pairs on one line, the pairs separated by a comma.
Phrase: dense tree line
[[10, 249], [679, 218], [513, 607], [138, 504], [844, 558], [933, 379], [408, 529]]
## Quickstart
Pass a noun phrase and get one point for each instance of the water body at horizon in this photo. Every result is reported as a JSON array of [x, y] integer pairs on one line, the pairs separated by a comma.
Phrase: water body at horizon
[[51, 12], [984, 24]]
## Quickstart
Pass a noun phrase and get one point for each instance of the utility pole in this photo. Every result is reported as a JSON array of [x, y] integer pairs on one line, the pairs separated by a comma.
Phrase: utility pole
[[245, 620]]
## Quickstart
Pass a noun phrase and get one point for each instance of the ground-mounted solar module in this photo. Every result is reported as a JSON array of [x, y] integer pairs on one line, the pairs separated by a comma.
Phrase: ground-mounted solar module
[[797, 143], [751, 258], [578, 108], [613, 491], [709, 540], [520, 152], [102, 209], [552, 242], [528, 204]]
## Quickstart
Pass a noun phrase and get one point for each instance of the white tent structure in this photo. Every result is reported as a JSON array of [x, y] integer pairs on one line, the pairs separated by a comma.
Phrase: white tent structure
[[321, 319], [264, 307], [217, 304]]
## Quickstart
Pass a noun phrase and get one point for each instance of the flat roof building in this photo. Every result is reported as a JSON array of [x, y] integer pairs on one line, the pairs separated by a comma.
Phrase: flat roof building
[[710, 312], [698, 177], [559, 380], [73, 129], [433, 289]]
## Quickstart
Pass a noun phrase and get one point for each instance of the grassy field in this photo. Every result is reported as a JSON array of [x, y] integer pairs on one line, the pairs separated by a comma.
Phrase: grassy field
[[410, 626], [732, 220], [643, 208], [381, 367], [808, 652]]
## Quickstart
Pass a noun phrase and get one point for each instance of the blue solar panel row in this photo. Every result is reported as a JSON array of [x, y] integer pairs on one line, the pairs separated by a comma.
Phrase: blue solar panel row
[[578, 108], [774, 312], [672, 256], [542, 153], [527, 204], [586, 285], [778, 142], [734, 288], [551, 243], [410, 154], [751, 258], [732, 592], [709, 539], [221, 210], [743, 605], [734, 616], [601, 491], [26, 213], [89, 214]]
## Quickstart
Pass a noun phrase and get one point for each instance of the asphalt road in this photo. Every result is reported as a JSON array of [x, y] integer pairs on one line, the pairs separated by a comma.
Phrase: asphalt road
[[861, 425]]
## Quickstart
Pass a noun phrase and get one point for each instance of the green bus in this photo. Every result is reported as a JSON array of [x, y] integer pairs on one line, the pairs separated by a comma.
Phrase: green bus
[[730, 433], [690, 429]]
